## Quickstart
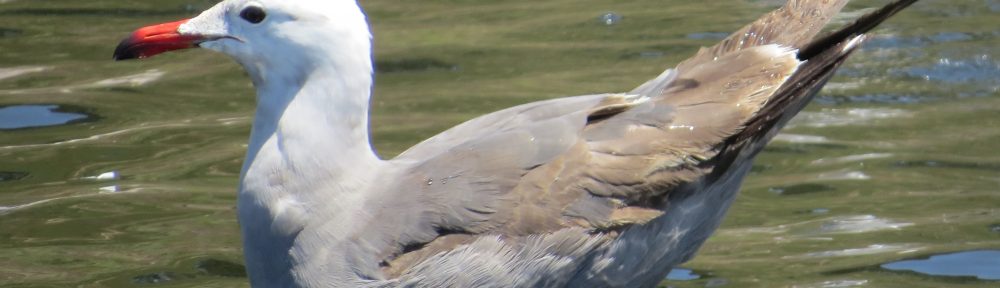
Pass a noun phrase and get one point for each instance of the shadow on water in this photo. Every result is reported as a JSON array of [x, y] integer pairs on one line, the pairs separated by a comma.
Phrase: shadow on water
[[981, 264], [16, 117]]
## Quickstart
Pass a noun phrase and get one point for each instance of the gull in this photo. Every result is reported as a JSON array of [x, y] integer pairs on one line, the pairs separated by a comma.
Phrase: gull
[[604, 190]]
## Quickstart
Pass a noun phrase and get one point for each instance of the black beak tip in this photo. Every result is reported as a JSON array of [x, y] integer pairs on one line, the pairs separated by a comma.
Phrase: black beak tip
[[126, 50]]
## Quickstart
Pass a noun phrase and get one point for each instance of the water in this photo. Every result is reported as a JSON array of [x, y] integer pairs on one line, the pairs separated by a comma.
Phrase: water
[[27, 116], [610, 18], [897, 159], [982, 264], [681, 274]]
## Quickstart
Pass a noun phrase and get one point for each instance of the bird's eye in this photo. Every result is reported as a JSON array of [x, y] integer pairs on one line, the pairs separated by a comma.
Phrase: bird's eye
[[253, 14]]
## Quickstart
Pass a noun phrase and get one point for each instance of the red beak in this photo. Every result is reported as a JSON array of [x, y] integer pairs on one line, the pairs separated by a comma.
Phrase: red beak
[[155, 39]]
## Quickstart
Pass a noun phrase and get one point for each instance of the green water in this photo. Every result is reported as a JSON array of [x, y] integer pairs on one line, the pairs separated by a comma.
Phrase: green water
[[896, 160]]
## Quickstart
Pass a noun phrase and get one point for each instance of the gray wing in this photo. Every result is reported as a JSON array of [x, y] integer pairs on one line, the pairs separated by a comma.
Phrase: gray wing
[[533, 188], [598, 163]]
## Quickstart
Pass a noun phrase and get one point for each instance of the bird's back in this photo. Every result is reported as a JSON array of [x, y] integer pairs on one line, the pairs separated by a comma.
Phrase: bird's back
[[602, 190]]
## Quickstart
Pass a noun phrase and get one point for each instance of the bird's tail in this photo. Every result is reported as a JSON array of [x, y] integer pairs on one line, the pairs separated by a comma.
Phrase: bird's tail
[[822, 56]]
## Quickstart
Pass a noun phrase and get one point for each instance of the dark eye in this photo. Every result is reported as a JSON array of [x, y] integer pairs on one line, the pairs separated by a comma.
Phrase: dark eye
[[253, 14]]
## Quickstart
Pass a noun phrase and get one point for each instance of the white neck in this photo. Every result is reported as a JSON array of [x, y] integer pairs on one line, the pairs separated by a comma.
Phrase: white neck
[[323, 115], [309, 160]]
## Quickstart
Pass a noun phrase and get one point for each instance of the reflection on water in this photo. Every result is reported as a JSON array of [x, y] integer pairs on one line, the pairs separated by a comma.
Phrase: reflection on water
[[897, 156], [27, 116], [681, 274], [12, 175], [982, 264]]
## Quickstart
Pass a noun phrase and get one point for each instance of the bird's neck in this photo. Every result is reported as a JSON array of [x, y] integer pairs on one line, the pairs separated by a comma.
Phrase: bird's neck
[[319, 122], [309, 161]]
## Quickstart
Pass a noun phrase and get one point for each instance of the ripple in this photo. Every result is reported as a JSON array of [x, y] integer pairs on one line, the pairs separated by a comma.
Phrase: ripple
[[844, 117], [835, 284], [11, 72], [871, 249], [859, 224], [110, 175], [801, 139], [977, 69], [872, 99], [850, 158], [843, 175], [708, 35], [44, 115], [950, 37], [982, 264], [8, 209], [412, 65], [132, 80], [891, 41], [799, 189], [946, 164]]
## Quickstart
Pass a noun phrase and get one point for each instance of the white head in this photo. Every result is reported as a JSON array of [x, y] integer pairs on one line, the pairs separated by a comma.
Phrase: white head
[[316, 53], [264, 36]]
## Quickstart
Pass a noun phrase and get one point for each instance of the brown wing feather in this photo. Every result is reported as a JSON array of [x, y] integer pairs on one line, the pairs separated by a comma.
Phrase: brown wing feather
[[597, 162]]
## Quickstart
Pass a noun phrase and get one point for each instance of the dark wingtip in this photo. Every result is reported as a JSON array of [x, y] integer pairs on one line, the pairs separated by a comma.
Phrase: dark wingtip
[[860, 26]]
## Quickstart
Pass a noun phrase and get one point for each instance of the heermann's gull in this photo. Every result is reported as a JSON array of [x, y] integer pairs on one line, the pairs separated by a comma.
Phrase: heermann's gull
[[588, 191]]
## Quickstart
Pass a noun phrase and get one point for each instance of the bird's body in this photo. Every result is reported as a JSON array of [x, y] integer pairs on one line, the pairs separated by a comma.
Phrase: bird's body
[[608, 190]]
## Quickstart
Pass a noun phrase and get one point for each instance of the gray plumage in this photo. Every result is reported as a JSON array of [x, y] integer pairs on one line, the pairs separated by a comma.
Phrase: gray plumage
[[608, 190]]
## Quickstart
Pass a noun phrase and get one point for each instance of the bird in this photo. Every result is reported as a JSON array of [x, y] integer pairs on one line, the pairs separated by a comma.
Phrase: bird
[[603, 190]]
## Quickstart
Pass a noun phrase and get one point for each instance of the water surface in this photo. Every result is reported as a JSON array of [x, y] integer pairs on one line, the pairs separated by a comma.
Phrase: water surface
[[981, 264], [896, 159], [28, 116]]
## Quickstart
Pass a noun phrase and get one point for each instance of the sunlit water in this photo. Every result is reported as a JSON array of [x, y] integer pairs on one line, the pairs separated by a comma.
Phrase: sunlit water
[[896, 160]]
